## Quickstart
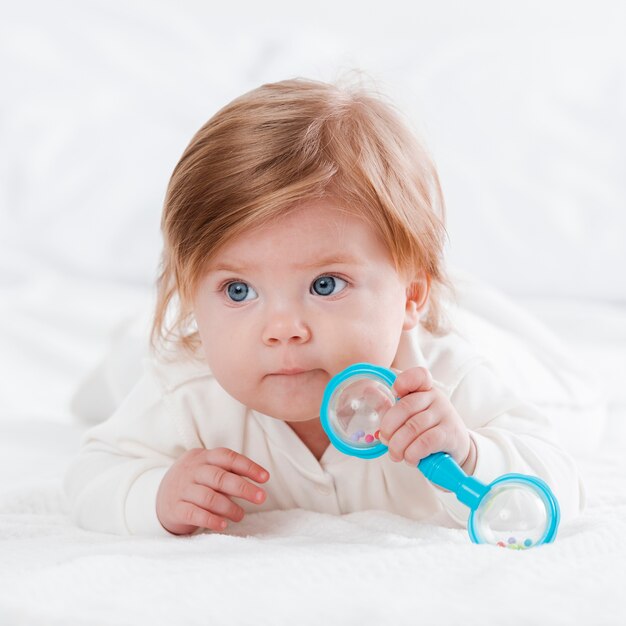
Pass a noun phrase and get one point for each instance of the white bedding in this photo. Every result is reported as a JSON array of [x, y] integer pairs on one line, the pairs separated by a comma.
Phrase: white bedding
[[524, 110]]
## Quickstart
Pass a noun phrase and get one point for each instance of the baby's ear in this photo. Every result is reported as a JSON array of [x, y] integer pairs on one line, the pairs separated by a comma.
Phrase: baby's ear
[[417, 293]]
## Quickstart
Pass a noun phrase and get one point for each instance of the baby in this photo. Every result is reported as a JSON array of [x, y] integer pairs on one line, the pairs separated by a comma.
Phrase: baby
[[303, 232]]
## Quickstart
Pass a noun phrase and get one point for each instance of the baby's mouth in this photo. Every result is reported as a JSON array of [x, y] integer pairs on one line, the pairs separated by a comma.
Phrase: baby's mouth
[[297, 376]]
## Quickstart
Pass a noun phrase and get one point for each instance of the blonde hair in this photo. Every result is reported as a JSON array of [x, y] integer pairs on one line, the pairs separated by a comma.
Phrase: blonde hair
[[282, 144]]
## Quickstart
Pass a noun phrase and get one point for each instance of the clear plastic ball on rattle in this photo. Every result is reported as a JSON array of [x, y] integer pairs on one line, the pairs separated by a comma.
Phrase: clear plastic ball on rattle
[[511, 515], [356, 409]]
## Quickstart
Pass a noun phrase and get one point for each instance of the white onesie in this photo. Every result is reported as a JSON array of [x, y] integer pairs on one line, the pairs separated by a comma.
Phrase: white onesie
[[112, 484]]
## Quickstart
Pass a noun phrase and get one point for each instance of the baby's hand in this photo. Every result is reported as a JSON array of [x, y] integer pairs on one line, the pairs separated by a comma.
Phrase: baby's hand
[[194, 492], [423, 421]]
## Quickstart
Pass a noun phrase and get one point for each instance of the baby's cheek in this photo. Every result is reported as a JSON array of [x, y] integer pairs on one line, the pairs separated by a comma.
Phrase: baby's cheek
[[365, 344], [232, 373]]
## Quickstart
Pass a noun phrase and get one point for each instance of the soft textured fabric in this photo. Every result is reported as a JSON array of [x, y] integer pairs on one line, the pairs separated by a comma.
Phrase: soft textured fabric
[[179, 405]]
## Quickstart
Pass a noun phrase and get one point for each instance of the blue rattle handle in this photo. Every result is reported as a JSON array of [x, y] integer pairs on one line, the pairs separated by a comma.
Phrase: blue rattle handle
[[442, 470]]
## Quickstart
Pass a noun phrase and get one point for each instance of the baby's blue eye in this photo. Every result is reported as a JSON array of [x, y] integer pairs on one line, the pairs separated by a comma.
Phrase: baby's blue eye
[[239, 291], [325, 285]]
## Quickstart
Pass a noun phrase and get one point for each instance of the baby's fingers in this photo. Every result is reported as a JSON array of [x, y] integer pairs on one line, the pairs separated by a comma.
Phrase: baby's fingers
[[228, 483], [404, 409], [412, 380], [237, 463], [416, 434], [193, 515], [213, 502]]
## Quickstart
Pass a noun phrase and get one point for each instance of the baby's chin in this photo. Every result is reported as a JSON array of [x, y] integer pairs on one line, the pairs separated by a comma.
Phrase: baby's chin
[[289, 412], [293, 405], [292, 399]]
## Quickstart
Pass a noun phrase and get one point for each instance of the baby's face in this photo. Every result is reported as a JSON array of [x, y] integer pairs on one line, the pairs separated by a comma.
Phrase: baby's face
[[285, 307]]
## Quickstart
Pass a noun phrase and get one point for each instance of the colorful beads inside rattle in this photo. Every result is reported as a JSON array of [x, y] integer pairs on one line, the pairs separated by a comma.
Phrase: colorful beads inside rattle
[[513, 544], [361, 434]]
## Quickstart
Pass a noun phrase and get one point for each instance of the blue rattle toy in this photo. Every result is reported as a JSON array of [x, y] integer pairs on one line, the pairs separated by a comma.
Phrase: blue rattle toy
[[514, 511]]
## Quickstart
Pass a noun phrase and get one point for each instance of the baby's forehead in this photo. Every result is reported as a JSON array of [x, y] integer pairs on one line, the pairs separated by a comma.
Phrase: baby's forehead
[[233, 264], [302, 248]]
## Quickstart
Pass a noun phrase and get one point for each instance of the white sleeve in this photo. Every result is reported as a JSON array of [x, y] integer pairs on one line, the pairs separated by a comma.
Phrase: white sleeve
[[511, 435], [112, 484]]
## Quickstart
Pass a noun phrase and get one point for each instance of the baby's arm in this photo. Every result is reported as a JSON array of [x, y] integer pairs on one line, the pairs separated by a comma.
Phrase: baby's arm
[[149, 446], [486, 428]]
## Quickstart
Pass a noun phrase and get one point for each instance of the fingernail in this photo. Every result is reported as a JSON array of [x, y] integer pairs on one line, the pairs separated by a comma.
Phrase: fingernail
[[259, 496]]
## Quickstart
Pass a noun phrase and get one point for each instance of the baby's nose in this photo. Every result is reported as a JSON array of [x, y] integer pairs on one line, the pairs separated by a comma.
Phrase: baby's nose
[[286, 328]]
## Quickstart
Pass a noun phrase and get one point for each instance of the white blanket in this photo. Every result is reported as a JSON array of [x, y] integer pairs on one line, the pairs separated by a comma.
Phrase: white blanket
[[298, 567]]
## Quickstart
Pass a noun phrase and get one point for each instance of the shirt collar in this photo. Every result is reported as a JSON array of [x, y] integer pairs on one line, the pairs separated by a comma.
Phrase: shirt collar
[[286, 441]]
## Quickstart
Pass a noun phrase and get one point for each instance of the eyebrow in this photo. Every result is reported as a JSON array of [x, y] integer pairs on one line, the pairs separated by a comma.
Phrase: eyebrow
[[331, 260]]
